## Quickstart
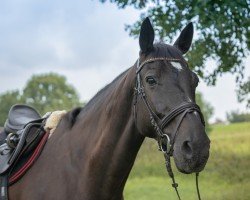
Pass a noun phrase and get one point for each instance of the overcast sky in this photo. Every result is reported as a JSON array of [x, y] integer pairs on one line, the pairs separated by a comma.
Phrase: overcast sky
[[83, 40]]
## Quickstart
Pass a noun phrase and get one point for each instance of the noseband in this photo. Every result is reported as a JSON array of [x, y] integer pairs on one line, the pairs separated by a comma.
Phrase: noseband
[[165, 144]]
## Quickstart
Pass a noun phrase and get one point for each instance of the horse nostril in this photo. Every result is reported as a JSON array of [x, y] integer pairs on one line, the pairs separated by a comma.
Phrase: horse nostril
[[187, 149]]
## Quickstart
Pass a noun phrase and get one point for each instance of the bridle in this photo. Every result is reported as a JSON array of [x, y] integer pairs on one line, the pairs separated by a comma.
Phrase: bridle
[[164, 143]]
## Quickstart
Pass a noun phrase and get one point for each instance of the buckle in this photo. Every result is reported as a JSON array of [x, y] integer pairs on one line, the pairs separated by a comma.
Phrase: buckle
[[164, 144], [12, 140]]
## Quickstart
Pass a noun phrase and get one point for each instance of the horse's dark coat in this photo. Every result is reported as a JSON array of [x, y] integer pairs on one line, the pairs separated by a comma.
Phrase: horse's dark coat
[[93, 149]]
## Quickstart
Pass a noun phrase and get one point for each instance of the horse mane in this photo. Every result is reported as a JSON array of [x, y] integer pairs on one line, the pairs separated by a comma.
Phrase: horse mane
[[104, 92], [73, 115]]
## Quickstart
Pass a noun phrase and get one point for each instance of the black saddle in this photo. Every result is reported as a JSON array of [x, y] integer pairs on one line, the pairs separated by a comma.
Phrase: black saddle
[[24, 133], [20, 115], [22, 127], [27, 139]]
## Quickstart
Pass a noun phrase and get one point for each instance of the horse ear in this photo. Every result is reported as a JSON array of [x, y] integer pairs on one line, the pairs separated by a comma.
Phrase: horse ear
[[147, 36], [184, 41]]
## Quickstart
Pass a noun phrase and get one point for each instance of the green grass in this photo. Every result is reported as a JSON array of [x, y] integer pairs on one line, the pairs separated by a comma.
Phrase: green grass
[[226, 176]]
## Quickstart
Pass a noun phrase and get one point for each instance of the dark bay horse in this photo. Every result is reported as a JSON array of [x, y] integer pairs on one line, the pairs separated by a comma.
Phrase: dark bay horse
[[93, 149]]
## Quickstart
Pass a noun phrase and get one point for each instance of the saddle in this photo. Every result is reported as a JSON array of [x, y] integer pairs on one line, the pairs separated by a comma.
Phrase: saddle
[[19, 116], [25, 139]]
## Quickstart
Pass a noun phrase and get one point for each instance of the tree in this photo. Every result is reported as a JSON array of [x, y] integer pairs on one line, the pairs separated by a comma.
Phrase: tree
[[236, 116], [7, 99], [244, 92], [47, 92], [206, 109], [223, 32], [44, 92]]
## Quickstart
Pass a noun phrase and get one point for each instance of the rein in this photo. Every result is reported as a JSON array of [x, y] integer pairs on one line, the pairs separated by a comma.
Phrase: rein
[[164, 143]]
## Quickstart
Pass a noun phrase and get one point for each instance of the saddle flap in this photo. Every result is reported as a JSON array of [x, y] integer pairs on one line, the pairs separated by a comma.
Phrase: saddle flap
[[29, 137]]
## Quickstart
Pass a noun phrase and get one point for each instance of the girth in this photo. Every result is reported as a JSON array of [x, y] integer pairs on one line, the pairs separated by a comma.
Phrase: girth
[[164, 142]]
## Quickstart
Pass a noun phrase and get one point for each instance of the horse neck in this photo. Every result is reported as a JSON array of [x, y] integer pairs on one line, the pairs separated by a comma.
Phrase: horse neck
[[109, 139]]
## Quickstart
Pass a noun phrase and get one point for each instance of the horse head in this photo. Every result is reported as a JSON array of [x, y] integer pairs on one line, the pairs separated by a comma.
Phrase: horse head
[[165, 100]]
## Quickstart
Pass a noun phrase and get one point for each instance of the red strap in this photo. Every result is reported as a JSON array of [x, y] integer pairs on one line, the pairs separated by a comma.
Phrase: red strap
[[31, 160]]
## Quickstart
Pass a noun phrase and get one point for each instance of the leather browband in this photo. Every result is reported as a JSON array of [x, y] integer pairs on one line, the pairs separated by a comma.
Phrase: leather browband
[[140, 66]]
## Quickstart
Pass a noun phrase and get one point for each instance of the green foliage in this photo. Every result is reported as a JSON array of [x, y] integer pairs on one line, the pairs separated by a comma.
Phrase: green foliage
[[7, 99], [243, 92], [44, 92], [222, 30], [226, 175], [47, 92], [236, 116], [206, 109]]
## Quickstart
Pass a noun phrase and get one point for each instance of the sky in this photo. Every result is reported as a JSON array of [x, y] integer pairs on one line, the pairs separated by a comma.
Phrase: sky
[[84, 41]]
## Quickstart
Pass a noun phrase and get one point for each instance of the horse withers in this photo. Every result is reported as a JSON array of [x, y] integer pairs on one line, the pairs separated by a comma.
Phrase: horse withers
[[93, 149]]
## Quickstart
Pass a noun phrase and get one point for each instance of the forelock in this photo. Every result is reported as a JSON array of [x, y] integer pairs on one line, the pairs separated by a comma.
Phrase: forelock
[[165, 50]]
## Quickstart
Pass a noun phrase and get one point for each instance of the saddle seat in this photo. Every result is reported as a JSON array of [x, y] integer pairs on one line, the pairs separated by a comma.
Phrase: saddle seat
[[20, 115], [25, 127]]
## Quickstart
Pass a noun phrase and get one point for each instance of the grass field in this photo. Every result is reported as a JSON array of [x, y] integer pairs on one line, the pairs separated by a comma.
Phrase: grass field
[[226, 176]]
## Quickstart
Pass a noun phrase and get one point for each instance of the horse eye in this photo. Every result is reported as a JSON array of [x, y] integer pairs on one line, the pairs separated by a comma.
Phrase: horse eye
[[151, 80]]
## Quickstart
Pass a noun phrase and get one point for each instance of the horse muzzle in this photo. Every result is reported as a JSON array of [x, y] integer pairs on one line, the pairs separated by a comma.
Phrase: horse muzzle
[[190, 156]]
